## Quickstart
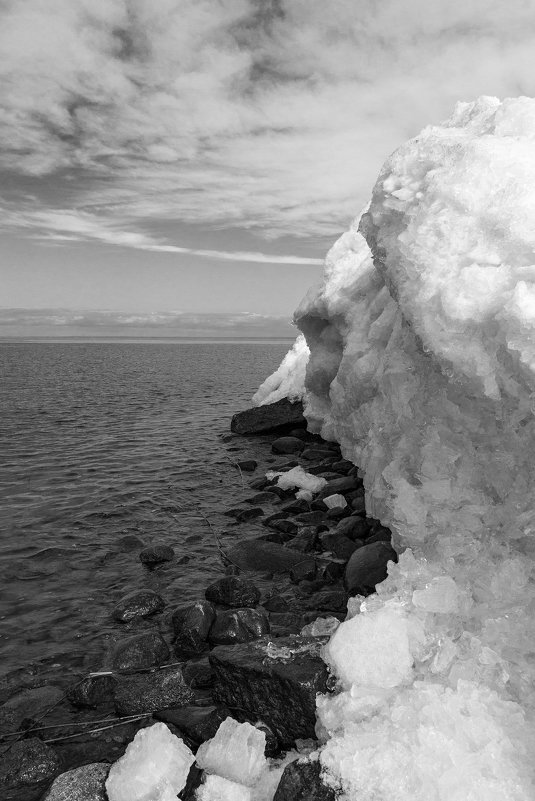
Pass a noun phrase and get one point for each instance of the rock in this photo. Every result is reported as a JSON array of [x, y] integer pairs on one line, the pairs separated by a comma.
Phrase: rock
[[191, 625], [91, 692], [296, 507], [276, 603], [305, 570], [305, 540], [140, 651], [28, 703], [259, 483], [262, 497], [87, 783], [338, 514], [301, 781], [195, 776], [242, 515], [129, 543], [247, 465], [287, 445], [340, 545], [308, 586], [198, 673], [380, 534], [354, 527], [140, 603], [331, 570], [328, 601], [342, 466], [262, 556], [280, 493], [283, 526], [275, 682], [286, 622], [156, 554], [368, 567], [312, 454], [311, 518], [233, 591], [199, 723], [276, 536], [272, 416], [27, 768], [151, 692], [275, 516], [342, 485], [238, 625], [300, 433]]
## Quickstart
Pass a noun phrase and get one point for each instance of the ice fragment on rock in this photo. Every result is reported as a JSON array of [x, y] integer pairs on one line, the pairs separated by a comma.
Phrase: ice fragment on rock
[[236, 752], [297, 477], [335, 501], [154, 767]]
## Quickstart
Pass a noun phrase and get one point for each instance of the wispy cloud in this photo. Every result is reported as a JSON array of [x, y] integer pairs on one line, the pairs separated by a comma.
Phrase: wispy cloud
[[274, 115]]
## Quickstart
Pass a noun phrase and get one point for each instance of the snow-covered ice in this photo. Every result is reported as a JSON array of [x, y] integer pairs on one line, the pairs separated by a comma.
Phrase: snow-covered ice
[[236, 752], [297, 477], [154, 767], [289, 380]]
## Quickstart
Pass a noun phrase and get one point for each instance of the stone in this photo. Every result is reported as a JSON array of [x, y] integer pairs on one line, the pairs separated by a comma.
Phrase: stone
[[233, 591], [279, 492], [305, 540], [243, 515], [338, 544], [334, 515], [311, 518], [287, 445], [156, 554], [262, 556], [276, 603], [342, 484], [91, 692], [140, 651], [198, 673], [328, 601], [27, 768], [305, 570], [26, 703], [356, 528], [342, 466], [301, 781], [259, 483], [296, 507], [151, 692], [283, 526], [275, 516], [247, 465], [267, 418], [238, 625], [367, 567], [198, 723], [262, 497], [140, 603], [286, 622], [274, 681], [191, 625], [312, 454], [128, 543], [87, 783], [380, 534]]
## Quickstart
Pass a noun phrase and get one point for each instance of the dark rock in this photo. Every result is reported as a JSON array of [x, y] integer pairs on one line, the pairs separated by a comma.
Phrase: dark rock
[[342, 466], [191, 625], [300, 433], [296, 507], [311, 518], [328, 601], [287, 445], [140, 603], [276, 603], [151, 692], [259, 483], [311, 454], [338, 486], [262, 497], [27, 768], [266, 557], [233, 591], [276, 536], [287, 622], [356, 528], [331, 570], [301, 781], [338, 513], [198, 673], [91, 692], [305, 540], [280, 493], [199, 723], [309, 587], [87, 783], [274, 681], [284, 526], [275, 516], [318, 506], [156, 554], [305, 570], [368, 567], [340, 545], [193, 782], [272, 416], [327, 474], [238, 625], [140, 651], [379, 534], [291, 463], [358, 504], [248, 514], [29, 702], [247, 465], [129, 543]]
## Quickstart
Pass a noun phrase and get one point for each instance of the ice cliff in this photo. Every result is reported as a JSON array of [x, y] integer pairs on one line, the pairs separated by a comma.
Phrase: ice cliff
[[422, 365]]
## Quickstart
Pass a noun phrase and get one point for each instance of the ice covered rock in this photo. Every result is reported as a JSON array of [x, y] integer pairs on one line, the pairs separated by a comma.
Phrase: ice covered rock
[[236, 753], [154, 767]]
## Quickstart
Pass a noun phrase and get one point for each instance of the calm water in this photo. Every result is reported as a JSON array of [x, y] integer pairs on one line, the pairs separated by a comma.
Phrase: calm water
[[102, 440]]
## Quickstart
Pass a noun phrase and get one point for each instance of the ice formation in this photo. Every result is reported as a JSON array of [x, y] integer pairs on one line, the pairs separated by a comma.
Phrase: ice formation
[[297, 477], [422, 366], [289, 380], [236, 752], [154, 767]]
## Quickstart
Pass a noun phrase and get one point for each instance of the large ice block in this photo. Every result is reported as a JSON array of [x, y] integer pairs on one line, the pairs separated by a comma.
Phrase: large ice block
[[236, 752]]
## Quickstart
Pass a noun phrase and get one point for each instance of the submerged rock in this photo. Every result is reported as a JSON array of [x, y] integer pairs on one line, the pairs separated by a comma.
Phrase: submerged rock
[[233, 591], [272, 416], [156, 554], [263, 556], [87, 783], [247, 465], [287, 445], [301, 781], [27, 768], [150, 692], [238, 625], [140, 603]]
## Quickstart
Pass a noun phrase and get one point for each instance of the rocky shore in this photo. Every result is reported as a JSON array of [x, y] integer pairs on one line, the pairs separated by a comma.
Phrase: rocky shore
[[240, 651]]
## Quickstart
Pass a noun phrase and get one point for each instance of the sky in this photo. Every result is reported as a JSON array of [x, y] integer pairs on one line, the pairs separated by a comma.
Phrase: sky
[[183, 158]]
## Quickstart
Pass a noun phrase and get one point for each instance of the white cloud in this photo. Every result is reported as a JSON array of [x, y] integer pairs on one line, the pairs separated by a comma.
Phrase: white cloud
[[274, 115]]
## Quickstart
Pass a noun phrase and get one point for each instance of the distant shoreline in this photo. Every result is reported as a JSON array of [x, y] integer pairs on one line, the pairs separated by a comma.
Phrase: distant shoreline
[[125, 340]]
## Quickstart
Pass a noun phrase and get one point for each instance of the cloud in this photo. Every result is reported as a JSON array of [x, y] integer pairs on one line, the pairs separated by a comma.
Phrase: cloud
[[273, 115]]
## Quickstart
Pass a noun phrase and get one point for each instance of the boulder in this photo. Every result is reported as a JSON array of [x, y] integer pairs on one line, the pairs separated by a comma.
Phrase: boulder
[[261, 498], [305, 540], [274, 681], [267, 557], [340, 545], [27, 768], [287, 445], [28, 703], [354, 527], [87, 783], [283, 526], [313, 454], [336, 485], [368, 567], [140, 651], [91, 692], [198, 723], [316, 518], [276, 603], [305, 570], [156, 554], [301, 781], [238, 626], [191, 625], [233, 591], [270, 417], [328, 601], [342, 466], [259, 483], [151, 692], [140, 603]]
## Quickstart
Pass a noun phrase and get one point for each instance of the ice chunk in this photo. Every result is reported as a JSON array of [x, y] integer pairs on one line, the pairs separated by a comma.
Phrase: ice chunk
[[335, 501], [217, 788], [321, 627], [304, 495], [236, 752], [288, 381], [154, 767], [440, 595], [297, 477]]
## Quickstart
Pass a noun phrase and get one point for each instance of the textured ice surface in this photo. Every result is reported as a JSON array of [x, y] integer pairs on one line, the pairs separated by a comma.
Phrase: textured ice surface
[[216, 788], [236, 752], [154, 767], [297, 477], [289, 380], [335, 501], [422, 366]]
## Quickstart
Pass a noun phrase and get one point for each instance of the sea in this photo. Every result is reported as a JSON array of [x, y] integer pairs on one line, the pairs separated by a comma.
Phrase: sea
[[100, 441]]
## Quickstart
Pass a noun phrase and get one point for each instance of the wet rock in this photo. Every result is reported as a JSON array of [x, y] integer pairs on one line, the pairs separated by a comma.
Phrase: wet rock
[[272, 416], [86, 783], [305, 570], [275, 516], [198, 723], [331, 570], [286, 622], [238, 626], [264, 557], [28, 703], [354, 527], [259, 483], [276, 682], [311, 518], [340, 545], [194, 781], [288, 465], [198, 673], [151, 692], [313, 454], [301, 781], [129, 543], [191, 625], [91, 692], [310, 586], [380, 534], [339, 485], [140, 603], [284, 526], [336, 514], [296, 507], [276, 536], [26, 770], [247, 465], [342, 466], [242, 515], [287, 445], [233, 591], [262, 497], [318, 506], [156, 554], [368, 567], [305, 540], [280, 493], [300, 433], [328, 601], [276, 603], [140, 651]]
